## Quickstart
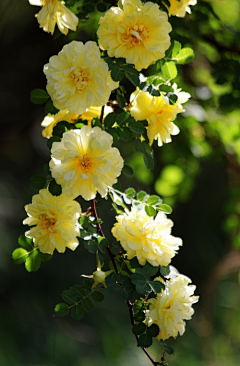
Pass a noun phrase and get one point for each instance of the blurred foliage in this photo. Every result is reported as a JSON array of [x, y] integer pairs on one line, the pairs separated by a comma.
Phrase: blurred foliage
[[199, 174]]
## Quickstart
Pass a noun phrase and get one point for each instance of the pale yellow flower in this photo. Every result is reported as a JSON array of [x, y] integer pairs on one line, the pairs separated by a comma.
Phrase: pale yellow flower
[[135, 31], [146, 238], [51, 120], [54, 220], [180, 7], [84, 162], [172, 306], [78, 78], [159, 114], [52, 12]]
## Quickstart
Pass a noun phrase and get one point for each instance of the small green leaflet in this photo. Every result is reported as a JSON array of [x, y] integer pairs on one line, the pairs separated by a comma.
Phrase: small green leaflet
[[39, 96], [184, 56], [169, 69]]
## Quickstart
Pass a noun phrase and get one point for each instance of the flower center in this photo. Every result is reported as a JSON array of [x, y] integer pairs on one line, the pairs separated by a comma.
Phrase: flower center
[[135, 35], [47, 222], [85, 163], [80, 78]]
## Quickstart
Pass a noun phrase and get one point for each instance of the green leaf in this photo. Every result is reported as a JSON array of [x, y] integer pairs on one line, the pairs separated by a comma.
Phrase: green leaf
[[141, 195], [130, 69], [39, 96], [49, 107], [59, 129], [153, 330], [101, 7], [173, 49], [91, 246], [130, 192], [112, 286], [38, 181], [110, 119], [151, 270], [164, 207], [165, 271], [19, 255], [139, 316], [138, 305], [148, 160], [121, 100], [87, 304], [26, 243], [169, 69], [150, 211], [33, 261], [87, 284], [133, 78], [54, 188], [97, 123], [116, 73], [52, 140], [157, 286], [97, 296], [45, 257], [153, 200], [47, 169], [172, 98], [80, 292], [77, 312], [138, 329], [127, 170], [145, 341], [61, 309], [69, 296], [136, 127], [169, 350], [184, 56], [122, 118]]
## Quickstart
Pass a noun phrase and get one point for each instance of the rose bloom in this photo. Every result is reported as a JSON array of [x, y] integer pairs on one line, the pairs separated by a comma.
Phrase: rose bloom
[[51, 120], [54, 220], [52, 12], [159, 114], [84, 162], [180, 7], [172, 306], [136, 32], [78, 78], [146, 238]]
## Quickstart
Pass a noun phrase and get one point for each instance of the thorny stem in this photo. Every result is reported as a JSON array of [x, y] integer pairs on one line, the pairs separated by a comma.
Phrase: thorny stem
[[130, 305]]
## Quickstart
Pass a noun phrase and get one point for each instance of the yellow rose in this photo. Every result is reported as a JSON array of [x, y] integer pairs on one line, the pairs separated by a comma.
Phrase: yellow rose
[[78, 78], [85, 162], [52, 12], [146, 238], [55, 220], [172, 306], [180, 7], [159, 114], [135, 31]]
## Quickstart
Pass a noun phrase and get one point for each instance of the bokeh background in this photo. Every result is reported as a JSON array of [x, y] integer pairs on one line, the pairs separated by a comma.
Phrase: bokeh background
[[198, 174]]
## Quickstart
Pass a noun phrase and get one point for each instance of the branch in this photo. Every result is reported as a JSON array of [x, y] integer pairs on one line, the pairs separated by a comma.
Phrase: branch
[[130, 306]]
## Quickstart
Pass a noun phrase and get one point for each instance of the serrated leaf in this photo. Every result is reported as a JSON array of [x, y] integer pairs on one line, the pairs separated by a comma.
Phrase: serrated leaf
[[59, 130], [122, 118], [102, 241], [79, 290], [156, 286], [91, 246], [138, 305], [151, 270], [138, 329], [110, 119], [130, 192], [54, 188], [39, 96], [19, 255], [69, 296], [164, 207], [169, 69], [127, 170], [184, 56], [49, 107], [130, 69], [77, 312], [26, 243], [141, 195], [150, 211], [87, 304], [38, 181], [148, 160], [145, 341], [112, 286], [121, 100], [133, 78], [116, 73], [153, 200], [173, 49], [45, 257], [61, 309], [165, 271], [124, 133], [97, 123], [153, 330], [97, 296], [33, 261], [136, 127]]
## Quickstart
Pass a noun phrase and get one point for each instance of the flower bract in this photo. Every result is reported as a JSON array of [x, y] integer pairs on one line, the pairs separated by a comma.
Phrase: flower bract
[[158, 112], [85, 162], [180, 7], [54, 220], [172, 306], [55, 12], [135, 31], [78, 78], [146, 238]]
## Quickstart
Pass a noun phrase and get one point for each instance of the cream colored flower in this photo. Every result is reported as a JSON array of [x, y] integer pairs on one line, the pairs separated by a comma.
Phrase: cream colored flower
[[135, 31], [54, 220], [159, 114], [146, 238], [180, 7], [172, 306], [84, 162], [52, 12], [78, 79], [51, 120]]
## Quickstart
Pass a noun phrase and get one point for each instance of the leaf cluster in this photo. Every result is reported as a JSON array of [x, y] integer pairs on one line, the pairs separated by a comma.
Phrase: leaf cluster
[[93, 242]]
